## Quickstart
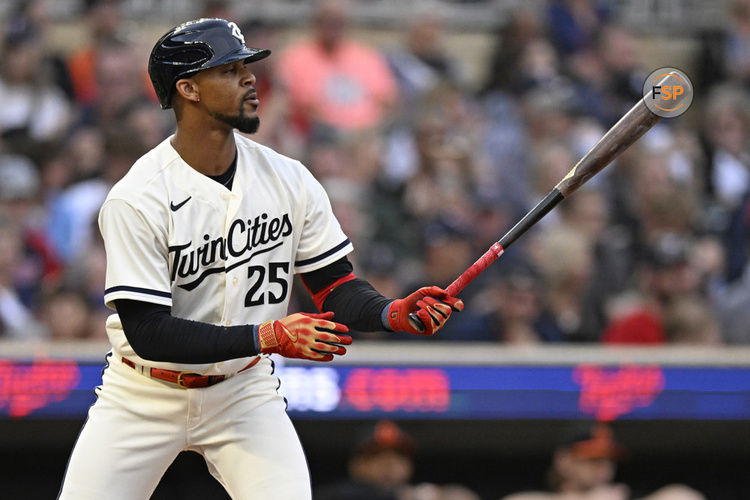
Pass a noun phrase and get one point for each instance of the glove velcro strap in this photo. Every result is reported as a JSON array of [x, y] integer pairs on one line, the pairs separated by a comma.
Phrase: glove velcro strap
[[267, 336], [384, 317]]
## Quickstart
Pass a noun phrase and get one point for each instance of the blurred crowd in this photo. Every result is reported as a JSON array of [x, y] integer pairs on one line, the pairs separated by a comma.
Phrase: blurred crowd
[[425, 167], [583, 465]]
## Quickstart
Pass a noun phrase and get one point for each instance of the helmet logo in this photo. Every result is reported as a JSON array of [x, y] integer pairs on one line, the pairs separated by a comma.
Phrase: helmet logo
[[236, 32]]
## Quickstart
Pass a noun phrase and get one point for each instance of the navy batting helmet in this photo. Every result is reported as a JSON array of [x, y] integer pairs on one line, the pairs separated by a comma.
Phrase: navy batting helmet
[[192, 47]]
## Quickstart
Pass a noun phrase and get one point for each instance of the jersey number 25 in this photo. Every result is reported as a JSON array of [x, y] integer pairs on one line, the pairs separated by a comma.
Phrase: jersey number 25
[[257, 277]]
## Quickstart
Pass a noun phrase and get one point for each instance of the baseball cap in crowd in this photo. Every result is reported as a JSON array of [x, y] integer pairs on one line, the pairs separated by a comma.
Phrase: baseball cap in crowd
[[19, 178], [591, 441], [442, 229], [522, 276], [385, 435], [379, 259], [668, 250], [18, 32]]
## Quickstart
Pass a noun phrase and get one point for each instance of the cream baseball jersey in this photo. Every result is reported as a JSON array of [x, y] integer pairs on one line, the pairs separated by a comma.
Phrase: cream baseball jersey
[[176, 237]]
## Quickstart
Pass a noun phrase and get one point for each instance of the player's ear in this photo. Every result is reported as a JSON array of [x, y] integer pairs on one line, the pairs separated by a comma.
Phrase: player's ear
[[187, 88]]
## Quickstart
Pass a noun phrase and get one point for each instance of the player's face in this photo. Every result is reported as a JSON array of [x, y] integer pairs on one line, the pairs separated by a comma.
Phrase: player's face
[[228, 95]]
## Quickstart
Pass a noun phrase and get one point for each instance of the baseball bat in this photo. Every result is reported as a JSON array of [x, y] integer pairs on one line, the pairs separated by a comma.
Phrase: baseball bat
[[624, 133]]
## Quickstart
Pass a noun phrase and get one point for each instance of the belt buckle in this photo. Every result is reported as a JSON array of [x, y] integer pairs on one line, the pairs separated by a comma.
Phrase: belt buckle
[[180, 382]]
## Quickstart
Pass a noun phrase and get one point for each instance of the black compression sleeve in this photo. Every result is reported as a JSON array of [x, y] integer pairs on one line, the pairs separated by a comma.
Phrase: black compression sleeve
[[357, 305], [321, 278], [156, 335]]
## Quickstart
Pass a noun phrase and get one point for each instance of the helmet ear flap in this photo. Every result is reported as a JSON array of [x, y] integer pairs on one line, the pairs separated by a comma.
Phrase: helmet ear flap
[[178, 61]]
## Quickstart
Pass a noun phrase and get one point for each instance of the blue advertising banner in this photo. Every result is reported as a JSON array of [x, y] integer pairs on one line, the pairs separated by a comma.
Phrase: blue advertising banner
[[43, 388]]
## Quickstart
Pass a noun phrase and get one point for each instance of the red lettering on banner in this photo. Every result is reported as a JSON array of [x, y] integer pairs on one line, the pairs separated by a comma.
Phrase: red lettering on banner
[[391, 389], [610, 393], [25, 388], [356, 389]]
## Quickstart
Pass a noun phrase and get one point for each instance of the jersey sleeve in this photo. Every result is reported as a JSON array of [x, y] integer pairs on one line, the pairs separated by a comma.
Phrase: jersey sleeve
[[137, 256], [322, 240]]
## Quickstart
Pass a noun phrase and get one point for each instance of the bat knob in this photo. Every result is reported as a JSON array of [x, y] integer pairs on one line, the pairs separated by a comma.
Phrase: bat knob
[[416, 322]]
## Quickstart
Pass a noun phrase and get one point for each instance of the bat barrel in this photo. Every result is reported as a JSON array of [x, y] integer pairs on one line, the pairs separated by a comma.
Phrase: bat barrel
[[621, 136]]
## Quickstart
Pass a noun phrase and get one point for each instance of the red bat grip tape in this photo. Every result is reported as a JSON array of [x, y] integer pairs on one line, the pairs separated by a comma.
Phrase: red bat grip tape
[[473, 271]]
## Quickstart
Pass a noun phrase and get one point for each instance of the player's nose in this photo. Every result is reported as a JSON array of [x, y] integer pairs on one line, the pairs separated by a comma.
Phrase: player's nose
[[248, 78]]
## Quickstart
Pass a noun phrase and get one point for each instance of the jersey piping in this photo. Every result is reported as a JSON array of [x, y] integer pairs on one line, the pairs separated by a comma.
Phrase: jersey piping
[[123, 288], [313, 260]]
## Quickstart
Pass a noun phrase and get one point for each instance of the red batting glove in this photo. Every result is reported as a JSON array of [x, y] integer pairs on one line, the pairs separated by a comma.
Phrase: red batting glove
[[303, 335], [432, 305]]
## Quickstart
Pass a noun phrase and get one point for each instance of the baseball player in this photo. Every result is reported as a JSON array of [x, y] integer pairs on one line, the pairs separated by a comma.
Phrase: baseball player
[[203, 236]]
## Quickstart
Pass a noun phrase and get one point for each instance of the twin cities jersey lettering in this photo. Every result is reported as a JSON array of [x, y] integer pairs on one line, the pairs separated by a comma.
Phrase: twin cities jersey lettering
[[250, 237], [176, 237]]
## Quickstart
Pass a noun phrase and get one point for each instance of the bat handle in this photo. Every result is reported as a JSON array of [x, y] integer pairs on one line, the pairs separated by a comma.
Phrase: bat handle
[[490, 256]]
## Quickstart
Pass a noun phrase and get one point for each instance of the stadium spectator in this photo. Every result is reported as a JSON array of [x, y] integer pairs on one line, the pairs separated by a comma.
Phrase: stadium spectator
[[664, 275], [379, 467], [647, 202], [574, 24], [432, 491], [118, 78], [690, 320], [35, 17], [732, 304], [736, 43], [734, 313], [71, 305], [584, 466], [16, 320], [523, 27], [348, 203], [38, 266], [588, 214], [727, 130], [332, 80], [622, 77], [35, 110], [85, 272], [349, 166], [221, 9], [518, 48], [728, 127], [103, 20], [446, 167], [422, 61], [104, 160], [565, 261], [513, 303], [146, 123]]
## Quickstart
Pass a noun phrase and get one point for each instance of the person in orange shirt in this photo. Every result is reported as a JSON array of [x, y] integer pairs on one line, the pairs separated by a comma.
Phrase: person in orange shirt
[[333, 80], [103, 18]]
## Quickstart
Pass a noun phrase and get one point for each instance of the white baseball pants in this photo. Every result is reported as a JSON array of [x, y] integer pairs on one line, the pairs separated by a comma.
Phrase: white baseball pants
[[139, 425]]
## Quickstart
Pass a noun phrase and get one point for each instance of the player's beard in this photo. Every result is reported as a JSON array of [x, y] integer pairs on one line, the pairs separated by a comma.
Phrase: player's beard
[[242, 122]]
